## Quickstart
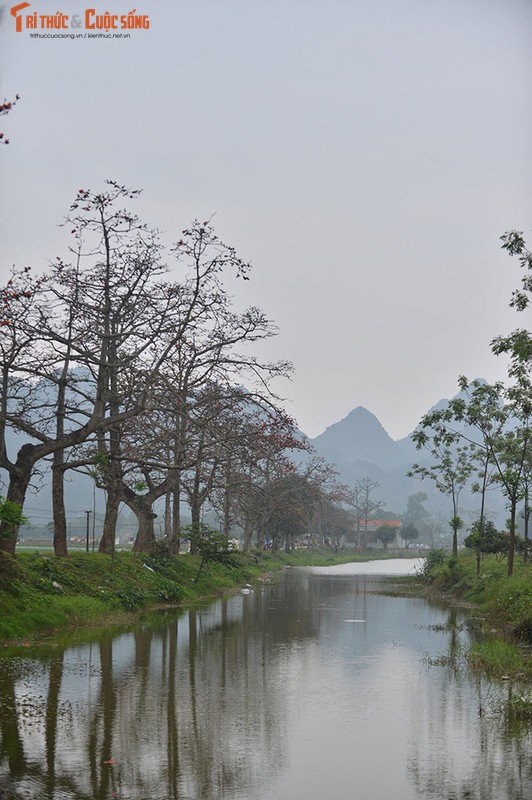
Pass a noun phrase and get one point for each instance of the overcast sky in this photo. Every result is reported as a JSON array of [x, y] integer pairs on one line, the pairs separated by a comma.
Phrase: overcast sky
[[364, 155]]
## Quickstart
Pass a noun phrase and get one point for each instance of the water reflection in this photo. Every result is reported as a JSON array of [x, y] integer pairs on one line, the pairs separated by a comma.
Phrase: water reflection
[[317, 686]]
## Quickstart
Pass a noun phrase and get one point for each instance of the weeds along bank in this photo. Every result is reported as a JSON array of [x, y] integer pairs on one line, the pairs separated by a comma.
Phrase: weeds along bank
[[41, 594], [503, 607]]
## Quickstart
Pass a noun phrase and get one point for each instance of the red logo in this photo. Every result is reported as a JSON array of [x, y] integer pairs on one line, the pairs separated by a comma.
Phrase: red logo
[[15, 11]]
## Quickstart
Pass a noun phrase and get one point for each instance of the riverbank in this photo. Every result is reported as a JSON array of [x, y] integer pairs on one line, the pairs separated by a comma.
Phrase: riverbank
[[41, 594], [503, 607]]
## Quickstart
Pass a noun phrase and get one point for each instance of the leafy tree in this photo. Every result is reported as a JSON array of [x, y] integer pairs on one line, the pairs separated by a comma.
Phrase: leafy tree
[[409, 532], [518, 344], [494, 421], [450, 470], [385, 534], [415, 509], [485, 538], [212, 546], [476, 416]]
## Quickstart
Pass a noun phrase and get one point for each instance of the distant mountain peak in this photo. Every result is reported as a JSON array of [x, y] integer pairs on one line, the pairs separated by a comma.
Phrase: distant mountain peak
[[358, 436], [357, 416]]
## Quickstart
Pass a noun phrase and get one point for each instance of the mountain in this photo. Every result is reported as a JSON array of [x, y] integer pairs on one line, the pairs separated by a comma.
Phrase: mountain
[[360, 447], [361, 437]]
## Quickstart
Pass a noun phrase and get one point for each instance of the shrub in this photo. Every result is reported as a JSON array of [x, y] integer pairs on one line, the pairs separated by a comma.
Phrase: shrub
[[434, 558]]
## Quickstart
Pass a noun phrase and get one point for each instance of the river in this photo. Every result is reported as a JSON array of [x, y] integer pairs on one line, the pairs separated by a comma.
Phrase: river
[[316, 687]]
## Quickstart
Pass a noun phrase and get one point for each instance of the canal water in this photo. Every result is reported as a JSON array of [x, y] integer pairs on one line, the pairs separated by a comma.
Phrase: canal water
[[317, 688]]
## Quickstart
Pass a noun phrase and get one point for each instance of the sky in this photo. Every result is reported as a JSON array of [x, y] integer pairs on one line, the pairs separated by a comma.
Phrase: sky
[[364, 155]]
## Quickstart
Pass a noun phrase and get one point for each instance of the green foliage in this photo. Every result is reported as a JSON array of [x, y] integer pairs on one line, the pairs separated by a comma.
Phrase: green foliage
[[505, 601], [433, 560], [416, 511], [456, 523], [161, 553], [497, 657], [485, 538], [409, 532], [446, 574], [513, 599], [385, 534], [11, 513], [131, 598], [92, 594], [9, 571], [213, 546]]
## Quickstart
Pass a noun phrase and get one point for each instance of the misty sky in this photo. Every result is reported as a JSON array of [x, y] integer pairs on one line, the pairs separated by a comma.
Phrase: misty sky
[[364, 155]]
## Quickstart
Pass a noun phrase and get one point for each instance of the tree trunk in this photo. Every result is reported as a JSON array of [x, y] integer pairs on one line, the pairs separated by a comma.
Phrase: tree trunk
[[248, 532], [511, 549], [112, 506], [455, 527], [195, 513], [168, 515], [145, 539], [527, 517], [175, 537], [18, 484], [227, 513], [58, 505]]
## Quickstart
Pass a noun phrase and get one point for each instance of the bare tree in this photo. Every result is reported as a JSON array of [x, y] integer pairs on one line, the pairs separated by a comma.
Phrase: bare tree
[[64, 352], [364, 506], [193, 355]]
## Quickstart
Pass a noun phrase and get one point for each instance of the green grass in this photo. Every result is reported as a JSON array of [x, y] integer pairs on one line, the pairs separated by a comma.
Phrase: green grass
[[504, 603], [41, 594], [498, 658]]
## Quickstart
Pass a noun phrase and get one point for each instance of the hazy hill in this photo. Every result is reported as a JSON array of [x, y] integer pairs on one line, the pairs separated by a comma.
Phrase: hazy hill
[[361, 437], [360, 447]]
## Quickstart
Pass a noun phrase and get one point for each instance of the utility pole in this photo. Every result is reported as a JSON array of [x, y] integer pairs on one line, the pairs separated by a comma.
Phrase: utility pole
[[88, 513]]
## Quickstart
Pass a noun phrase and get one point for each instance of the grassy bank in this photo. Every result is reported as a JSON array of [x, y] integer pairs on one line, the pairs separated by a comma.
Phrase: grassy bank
[[41, 594], [503, 608]]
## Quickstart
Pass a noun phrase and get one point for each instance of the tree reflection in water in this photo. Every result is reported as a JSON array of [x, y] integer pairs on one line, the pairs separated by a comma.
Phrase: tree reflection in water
[[215, 703]]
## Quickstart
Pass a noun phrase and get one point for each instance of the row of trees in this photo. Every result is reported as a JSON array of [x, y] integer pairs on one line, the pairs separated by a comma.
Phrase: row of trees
[[112, 369], [483, 437]]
